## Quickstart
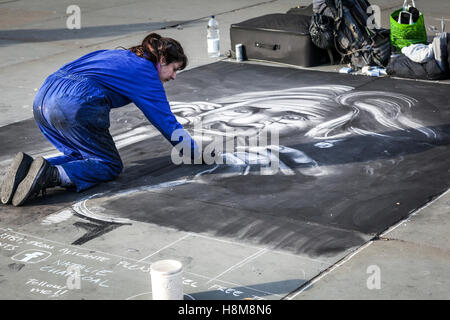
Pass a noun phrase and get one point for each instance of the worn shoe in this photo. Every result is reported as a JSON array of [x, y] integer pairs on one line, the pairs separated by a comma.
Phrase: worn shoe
[[17, 171], [41, 175]]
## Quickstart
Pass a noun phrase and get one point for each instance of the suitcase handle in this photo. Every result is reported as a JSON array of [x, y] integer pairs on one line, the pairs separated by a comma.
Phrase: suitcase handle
[[267, 46]]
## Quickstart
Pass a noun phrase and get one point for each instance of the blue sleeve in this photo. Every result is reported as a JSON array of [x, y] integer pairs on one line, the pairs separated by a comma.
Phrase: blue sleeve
[[152, 101], [159, 114], [135, 78]]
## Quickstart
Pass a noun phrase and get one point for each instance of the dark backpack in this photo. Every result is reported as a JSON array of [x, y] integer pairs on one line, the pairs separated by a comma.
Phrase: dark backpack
[[342, 25]]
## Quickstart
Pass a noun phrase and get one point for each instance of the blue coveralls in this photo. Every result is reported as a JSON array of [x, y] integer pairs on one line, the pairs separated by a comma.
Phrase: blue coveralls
[[72, 110]]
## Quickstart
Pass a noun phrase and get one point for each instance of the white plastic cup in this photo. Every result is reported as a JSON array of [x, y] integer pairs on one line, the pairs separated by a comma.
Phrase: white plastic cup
[[167, 280]]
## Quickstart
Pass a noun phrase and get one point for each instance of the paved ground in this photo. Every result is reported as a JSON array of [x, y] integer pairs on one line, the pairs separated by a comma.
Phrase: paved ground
[[411, 257]]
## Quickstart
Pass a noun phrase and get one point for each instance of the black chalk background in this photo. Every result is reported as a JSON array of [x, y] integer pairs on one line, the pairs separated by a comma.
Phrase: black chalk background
[[304, 214]]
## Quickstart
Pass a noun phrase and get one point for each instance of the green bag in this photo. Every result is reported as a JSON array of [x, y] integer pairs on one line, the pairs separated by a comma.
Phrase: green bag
[[403, 35]]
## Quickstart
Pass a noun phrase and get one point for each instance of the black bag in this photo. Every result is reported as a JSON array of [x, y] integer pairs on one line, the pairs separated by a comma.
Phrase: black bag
[[353, 39], [404, 67], [322, 31], [278, 37]]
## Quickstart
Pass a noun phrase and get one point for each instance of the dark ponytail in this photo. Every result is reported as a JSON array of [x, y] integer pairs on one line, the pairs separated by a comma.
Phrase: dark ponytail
[[154, 47]]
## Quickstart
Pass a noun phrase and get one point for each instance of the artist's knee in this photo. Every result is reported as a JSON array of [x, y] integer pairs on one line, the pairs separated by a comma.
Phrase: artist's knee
[[108, 170], [116, 168]]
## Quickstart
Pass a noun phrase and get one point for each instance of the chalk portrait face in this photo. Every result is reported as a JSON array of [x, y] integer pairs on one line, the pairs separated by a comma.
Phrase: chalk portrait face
[[319, 112], [287, 112], [324, 115]]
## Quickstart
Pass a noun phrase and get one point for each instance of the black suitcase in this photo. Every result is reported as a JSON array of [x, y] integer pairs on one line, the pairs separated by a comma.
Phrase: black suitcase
[[278, 37]]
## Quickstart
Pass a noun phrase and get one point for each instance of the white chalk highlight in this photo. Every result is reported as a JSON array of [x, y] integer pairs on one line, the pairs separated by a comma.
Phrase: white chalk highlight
[[57, 217]]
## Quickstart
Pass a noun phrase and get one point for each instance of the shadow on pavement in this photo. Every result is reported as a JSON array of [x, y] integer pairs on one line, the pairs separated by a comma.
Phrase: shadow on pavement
[[45, 35]]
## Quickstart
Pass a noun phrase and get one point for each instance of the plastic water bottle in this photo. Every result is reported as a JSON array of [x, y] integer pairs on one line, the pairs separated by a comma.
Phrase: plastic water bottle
[[213, 38]]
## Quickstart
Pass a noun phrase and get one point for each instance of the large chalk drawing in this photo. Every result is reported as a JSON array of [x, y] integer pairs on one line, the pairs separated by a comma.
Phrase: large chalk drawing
[[323, 115]]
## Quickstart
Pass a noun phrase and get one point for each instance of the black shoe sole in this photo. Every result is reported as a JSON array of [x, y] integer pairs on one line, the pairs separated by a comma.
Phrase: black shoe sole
[[27, 187], [16, 173]]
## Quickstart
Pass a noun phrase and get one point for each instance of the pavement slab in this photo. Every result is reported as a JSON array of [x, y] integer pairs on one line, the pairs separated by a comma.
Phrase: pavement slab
[[213, 268], [434, 222], [385, 270]]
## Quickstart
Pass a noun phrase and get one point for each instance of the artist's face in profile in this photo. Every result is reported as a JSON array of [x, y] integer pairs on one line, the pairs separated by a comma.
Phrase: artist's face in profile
[[168, 72]]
